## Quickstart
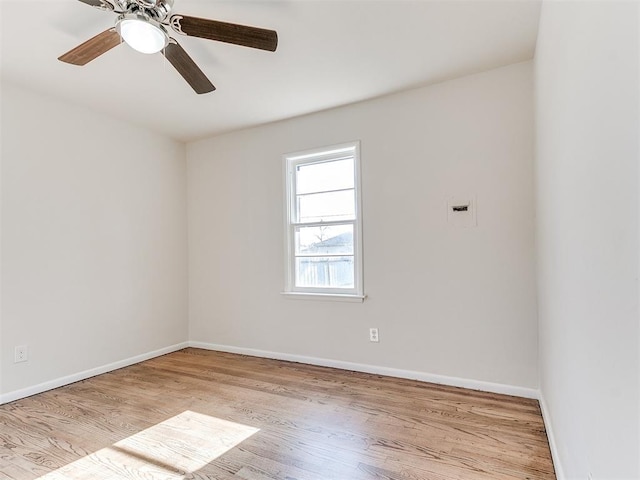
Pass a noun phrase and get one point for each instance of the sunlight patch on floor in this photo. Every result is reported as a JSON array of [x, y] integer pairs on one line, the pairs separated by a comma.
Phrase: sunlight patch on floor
[[169, 450]]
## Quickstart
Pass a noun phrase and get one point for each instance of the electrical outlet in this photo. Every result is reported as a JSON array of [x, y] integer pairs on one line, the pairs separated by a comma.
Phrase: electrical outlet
[[373, 335], [20, 354]]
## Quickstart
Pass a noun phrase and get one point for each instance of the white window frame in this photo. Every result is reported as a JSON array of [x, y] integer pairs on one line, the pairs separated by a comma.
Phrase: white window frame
[[319, 155]]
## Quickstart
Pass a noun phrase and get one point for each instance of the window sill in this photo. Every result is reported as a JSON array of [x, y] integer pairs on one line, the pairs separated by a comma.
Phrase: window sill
[[324, 297]]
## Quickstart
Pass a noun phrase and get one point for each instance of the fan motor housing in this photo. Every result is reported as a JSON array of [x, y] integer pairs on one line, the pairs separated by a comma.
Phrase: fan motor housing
[[156, 8]]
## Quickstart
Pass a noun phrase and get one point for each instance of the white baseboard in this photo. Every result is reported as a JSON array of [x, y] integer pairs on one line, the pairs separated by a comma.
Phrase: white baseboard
[[323, 362], [553, 446], [391, 372], [76, 377]]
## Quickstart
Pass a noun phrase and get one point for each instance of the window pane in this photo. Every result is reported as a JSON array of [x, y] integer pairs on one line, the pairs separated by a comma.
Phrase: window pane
[[321, 240], [317, 207], [336, 272], [324, 176]]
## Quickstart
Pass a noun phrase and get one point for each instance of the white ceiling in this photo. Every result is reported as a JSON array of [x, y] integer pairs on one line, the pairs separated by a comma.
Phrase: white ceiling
[[330, 53]]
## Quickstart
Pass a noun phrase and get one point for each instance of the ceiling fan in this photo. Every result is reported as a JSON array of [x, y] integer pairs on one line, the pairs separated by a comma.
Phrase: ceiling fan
[[143, 25]]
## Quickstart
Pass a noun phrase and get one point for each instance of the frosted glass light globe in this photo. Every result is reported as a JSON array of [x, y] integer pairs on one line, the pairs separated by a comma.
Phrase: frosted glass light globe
[[142, 35]]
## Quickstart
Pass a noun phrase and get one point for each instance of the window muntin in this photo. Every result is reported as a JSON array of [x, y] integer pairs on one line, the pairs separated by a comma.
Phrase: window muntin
[[324, 241]]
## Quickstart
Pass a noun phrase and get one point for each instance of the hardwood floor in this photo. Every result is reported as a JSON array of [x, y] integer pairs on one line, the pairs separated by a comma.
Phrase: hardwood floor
[[197, 414]]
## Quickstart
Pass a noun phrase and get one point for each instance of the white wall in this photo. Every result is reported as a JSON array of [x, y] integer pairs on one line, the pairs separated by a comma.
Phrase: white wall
[[447, 301], [94, 246], [587, 85]]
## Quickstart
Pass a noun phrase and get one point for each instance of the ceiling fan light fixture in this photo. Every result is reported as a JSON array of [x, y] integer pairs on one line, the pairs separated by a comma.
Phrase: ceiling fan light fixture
[[144, 24], [142, 34]]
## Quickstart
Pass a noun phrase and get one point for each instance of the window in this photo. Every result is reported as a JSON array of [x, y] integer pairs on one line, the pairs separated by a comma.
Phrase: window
[[324, 228]]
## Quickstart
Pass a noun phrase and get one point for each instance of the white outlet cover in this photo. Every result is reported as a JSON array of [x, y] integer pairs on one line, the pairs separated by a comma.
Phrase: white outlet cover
[[374, 335], [21, 354]]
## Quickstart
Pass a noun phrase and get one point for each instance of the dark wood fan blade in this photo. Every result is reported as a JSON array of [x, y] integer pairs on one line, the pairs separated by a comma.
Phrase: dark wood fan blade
[[226, 32], [101, 4], [92, 48], [186, 67]]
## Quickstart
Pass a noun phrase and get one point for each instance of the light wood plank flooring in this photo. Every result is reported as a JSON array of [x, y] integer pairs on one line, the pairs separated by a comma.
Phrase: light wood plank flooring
[[196, 414]]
